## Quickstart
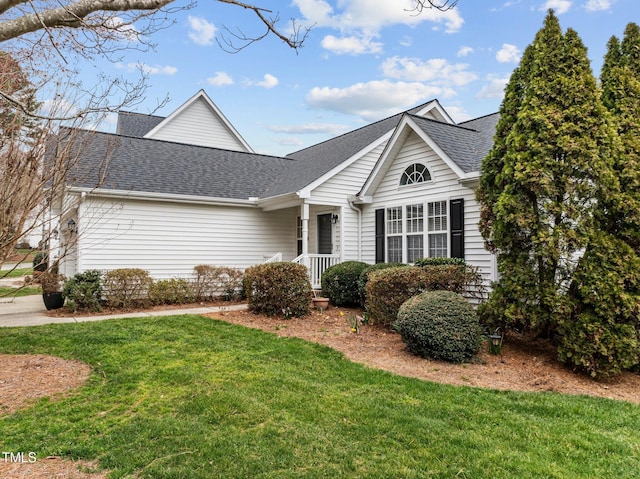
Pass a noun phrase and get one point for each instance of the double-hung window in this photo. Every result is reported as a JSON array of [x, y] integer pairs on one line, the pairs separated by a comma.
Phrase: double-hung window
[[411, 236], [299, 235], [394, 234], [415, 232], [437, 228]]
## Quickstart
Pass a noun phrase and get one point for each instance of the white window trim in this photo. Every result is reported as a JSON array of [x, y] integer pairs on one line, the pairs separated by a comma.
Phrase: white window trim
[[425, 232]]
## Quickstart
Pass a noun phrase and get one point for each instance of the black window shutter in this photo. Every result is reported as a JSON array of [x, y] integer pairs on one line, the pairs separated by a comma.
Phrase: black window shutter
[[380, 235], [456, 212]]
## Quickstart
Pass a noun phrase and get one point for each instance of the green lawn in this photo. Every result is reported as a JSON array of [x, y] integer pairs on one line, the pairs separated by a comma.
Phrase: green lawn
[[188, 397], [16, 273], [8, 292]]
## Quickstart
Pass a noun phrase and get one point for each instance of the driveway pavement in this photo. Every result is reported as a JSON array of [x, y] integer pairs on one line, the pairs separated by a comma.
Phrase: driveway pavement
[[30, 311]]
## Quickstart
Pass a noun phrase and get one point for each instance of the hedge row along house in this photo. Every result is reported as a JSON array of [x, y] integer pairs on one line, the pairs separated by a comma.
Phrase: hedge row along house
[[166, 194]]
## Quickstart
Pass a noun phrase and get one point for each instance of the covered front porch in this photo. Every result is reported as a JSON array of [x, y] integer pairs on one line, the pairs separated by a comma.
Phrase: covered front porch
[[319, 236]]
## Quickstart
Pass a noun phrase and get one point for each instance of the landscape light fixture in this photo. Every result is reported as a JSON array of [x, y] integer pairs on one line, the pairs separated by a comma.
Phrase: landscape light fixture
[[496, 342]]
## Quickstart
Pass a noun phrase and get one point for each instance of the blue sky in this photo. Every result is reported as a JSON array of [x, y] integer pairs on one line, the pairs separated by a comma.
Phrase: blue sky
[[362, 61]]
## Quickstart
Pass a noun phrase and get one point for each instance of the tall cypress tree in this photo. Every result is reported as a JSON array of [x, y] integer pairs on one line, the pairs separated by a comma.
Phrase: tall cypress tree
[[556, 162], [620, 80], [601, 333]]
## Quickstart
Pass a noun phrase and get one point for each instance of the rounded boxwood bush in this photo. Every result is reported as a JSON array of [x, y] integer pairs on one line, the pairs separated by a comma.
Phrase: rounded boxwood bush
[[440, 325], [280, 288], [340, 283], [84, 291]]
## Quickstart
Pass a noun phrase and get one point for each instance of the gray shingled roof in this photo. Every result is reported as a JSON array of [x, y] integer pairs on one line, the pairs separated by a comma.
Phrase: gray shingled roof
[[136, 124], [314, 161], [466, 143], [145, 165]]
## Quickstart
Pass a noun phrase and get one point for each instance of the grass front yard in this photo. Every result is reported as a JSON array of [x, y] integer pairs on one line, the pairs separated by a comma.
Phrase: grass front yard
[[186, 396]]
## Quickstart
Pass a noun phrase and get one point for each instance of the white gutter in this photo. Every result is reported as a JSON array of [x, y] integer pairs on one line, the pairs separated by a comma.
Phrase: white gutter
[[171, 198], [351, 200]]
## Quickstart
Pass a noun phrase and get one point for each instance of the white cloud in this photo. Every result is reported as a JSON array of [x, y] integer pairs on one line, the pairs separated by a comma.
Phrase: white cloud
[[464, 51], [508, 54], [220, 79], [351, 45], [58, 107], [598, 5], [437, 70], [158, 70], [559, 6], [289, 141], [127, 30], [310, 128], [406, 41], [375, 99], [364, 19], [493, 89], [148, 69], [202, 32], [269, 81], [457, 113]]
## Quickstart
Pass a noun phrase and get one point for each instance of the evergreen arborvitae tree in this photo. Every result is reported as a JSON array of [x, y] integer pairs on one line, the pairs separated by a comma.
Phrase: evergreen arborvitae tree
[[556, 164], [601, 333], [620, 79]]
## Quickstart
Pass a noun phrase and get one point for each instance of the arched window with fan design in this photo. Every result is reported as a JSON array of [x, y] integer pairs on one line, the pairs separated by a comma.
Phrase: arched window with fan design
[[416, 173]]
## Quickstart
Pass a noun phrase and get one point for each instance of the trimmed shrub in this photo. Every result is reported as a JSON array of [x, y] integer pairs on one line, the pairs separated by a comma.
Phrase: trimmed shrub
[[127, 287], [440, 261], [212, 282], [440, 325], [386, 290], [340, 283], [170, 291], [280, 288], [84, 291], [364, 278], [40, 261]]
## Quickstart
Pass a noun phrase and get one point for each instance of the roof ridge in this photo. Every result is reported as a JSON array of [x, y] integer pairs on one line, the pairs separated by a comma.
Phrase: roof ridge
[[399, 114], [190, 145], [453, 125], [480, 117], [124, 112]]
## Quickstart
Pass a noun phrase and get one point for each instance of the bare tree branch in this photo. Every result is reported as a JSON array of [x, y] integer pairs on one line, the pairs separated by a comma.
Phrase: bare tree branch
[[442, 5]]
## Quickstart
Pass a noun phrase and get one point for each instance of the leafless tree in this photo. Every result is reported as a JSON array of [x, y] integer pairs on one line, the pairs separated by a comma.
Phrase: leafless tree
[[48, 38], [34, 163]]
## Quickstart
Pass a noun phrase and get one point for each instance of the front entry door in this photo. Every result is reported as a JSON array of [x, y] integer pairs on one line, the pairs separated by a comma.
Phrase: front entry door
[[325, 243]]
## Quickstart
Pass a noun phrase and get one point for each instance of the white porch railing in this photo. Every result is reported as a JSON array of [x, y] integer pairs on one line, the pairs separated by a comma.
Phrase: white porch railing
[[316, 265], [273, 259]]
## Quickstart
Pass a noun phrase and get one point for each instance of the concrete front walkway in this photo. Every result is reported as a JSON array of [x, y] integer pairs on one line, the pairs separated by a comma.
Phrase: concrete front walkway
[[30, 311]]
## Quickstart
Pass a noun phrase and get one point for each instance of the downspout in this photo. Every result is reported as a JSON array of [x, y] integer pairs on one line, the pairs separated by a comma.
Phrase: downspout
[[353, 207]]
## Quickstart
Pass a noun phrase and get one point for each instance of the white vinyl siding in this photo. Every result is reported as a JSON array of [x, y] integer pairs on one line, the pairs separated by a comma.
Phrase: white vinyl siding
[[199, 125], [169, 239]]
